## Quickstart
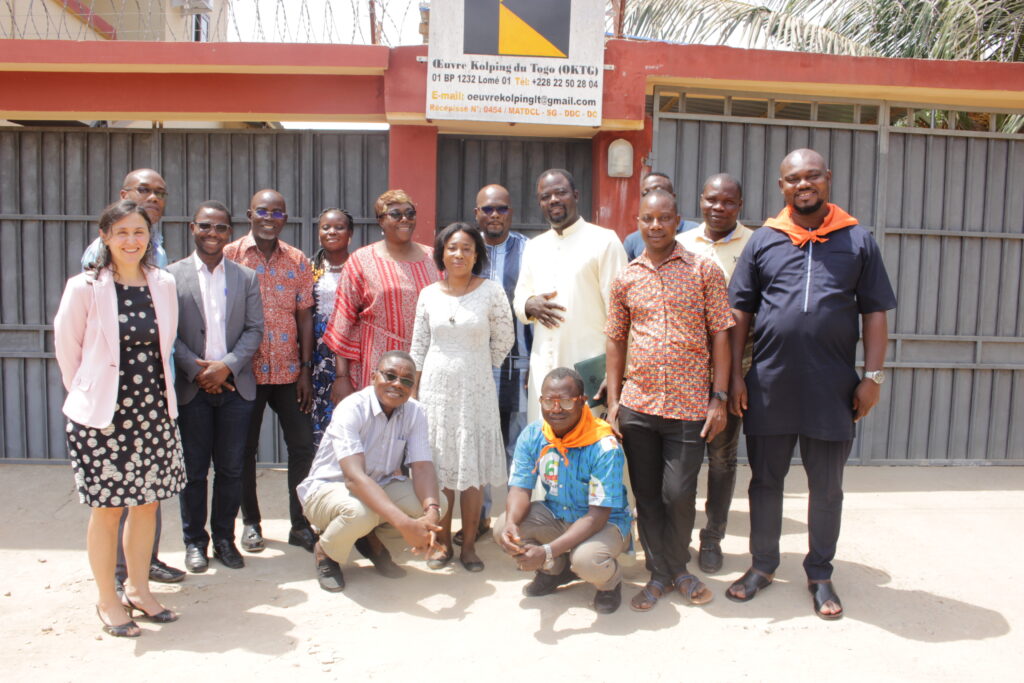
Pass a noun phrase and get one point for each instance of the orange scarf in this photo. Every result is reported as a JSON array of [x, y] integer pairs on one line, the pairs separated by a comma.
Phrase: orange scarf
[[835, 219], [588, 430]]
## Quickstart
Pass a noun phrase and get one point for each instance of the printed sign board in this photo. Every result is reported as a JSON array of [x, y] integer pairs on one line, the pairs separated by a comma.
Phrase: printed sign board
[[523, 61]]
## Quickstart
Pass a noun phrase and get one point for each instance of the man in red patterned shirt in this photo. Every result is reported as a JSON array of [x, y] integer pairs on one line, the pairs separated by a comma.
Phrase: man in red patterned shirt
[[676, 306], [283, 364]]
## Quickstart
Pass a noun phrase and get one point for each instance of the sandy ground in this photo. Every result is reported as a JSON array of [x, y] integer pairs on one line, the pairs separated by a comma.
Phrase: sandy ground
[[929, 568]]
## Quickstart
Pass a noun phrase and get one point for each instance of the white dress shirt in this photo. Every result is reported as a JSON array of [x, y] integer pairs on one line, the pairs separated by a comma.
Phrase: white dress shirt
[[213, 288]]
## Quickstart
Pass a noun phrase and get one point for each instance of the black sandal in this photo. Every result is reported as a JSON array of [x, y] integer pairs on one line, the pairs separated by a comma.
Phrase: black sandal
[[823, 592], [751, 582]]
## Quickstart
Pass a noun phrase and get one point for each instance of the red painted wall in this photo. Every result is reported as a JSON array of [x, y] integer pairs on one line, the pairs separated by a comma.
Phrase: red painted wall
[[615, 200], [412, 166]]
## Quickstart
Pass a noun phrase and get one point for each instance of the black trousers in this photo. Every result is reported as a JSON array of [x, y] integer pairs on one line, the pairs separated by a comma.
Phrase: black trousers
[[664, 458], [721, 479], [824, 462], [214, 428], [297, 428]]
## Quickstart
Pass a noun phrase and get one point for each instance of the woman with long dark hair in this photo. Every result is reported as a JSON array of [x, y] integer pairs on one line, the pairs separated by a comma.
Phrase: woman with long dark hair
[[113, 335]]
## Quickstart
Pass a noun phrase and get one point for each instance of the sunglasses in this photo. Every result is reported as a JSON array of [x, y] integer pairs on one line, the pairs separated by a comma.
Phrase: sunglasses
[[219, 227], [491, 210], [391, 378], [276, 214], [548, 403], [396, 215], [146, 191]]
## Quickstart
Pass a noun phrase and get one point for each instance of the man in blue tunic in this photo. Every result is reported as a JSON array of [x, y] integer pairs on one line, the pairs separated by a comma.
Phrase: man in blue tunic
[[803, 281], [583, 523]]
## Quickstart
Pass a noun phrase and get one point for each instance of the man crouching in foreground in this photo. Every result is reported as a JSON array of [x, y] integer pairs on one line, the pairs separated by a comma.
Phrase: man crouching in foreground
[[356, 482], [583, 523]]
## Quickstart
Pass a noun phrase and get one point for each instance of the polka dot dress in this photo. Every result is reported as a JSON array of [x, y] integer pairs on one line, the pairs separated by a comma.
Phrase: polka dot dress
[[136, 459]]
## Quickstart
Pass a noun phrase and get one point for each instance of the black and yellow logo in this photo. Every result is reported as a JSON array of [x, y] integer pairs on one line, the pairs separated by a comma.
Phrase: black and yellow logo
[[519, 28]]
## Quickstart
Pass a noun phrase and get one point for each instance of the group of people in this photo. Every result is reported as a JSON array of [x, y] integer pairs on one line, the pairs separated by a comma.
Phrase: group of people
[[404, 374]]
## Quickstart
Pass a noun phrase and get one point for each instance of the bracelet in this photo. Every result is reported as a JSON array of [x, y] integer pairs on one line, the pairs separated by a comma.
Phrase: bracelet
[[433, 505]]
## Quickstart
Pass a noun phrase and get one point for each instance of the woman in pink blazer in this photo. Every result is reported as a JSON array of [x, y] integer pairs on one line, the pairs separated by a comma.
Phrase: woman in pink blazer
[[113, 335]]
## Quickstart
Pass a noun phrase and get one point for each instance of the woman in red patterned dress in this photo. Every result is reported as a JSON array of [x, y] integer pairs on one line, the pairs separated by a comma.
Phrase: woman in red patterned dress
[[375, 305]]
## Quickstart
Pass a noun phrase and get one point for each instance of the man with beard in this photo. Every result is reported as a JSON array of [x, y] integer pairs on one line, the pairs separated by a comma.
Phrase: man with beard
[[283, 364], [804, 280], [564, 283]]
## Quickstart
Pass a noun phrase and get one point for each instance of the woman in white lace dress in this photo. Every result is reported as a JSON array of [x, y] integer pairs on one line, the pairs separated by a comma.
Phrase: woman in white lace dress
[[463, 329]]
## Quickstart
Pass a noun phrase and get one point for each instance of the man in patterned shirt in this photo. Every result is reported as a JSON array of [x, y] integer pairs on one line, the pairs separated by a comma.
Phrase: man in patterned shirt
[[676, 306], [582, 524], [283, 364]]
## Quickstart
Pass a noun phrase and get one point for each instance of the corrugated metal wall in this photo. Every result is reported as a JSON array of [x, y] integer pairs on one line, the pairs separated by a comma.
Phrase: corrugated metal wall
[[467, 163], [947, 209], [54, 182]]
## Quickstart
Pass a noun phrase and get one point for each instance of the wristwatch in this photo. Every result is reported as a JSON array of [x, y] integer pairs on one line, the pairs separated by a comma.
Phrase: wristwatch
[[549, 559], [306, 364], [876, 376], [721, 396]]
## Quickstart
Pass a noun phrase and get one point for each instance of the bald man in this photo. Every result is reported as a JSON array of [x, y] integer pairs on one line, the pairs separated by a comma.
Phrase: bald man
[[721, 238], [809, 282], [283, 365], [145, 187]]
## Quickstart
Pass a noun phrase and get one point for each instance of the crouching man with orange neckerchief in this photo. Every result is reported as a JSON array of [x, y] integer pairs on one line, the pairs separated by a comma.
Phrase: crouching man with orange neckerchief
[[583, 523]]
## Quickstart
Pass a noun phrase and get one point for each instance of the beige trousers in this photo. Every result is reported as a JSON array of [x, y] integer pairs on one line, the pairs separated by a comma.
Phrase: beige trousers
[[343, 519], [594, 560]]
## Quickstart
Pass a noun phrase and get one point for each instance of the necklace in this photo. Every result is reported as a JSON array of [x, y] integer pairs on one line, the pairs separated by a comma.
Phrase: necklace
[[335, 269], [455, 308]]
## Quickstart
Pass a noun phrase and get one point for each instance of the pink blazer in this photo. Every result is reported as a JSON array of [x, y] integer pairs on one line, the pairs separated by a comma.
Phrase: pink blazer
[[87, 341]]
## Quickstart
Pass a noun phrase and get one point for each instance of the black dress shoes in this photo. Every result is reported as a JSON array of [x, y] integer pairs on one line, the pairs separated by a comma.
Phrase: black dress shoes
[[304, 537], [328, 573], [195, 559], [252, 538], [543, 584], [161, 573], [225, 551], [606, 602], [710, 557]]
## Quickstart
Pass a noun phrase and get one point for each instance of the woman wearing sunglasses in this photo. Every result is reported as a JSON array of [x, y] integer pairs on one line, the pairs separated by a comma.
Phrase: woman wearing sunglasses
[[375, 303], [463, 331], [113, 334]]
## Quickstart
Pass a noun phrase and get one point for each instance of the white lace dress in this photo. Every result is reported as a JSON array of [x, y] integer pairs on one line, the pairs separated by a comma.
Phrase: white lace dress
[[455, 342]]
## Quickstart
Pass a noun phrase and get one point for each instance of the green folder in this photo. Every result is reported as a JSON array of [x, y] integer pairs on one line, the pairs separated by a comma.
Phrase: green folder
[[592, 370]]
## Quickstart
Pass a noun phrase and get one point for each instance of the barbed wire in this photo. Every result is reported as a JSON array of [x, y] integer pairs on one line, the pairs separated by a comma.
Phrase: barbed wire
[[275, 21]]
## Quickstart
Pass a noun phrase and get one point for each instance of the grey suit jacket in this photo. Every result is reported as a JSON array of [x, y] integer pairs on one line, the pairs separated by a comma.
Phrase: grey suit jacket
[[243, 333]]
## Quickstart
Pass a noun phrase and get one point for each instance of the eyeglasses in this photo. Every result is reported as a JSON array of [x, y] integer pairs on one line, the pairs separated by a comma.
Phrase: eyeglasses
[[491, 210], [396, 215], [276, 214], [549, 402], [391, 378], [219, 227], [146, 191]]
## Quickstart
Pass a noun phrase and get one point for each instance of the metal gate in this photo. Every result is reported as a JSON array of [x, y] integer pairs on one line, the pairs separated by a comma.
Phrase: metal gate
[[467, 163], [53, 184], [946, 207]]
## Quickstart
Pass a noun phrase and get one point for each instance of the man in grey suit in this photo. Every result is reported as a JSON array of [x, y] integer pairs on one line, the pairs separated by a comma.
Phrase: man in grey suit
[[220, 327]]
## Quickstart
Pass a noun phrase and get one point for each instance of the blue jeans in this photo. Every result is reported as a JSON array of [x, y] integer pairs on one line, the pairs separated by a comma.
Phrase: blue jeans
[[213, 429]]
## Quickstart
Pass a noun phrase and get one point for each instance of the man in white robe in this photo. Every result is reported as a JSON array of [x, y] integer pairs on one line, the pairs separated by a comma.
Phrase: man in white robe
[[564, 282]]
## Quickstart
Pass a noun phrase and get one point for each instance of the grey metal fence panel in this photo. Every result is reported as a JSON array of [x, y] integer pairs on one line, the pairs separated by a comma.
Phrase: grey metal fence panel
[[947, 210], [467, 163], [54, 182]]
